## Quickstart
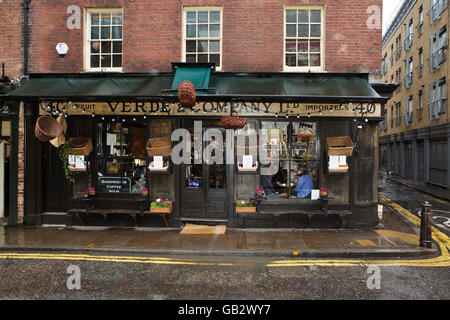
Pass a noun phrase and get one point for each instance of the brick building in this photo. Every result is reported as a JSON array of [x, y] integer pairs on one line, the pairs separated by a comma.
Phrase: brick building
[[414, 135], [108, 42]]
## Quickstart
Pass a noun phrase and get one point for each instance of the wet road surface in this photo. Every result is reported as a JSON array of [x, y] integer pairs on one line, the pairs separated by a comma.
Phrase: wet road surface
[[248, 279], [412, 200]]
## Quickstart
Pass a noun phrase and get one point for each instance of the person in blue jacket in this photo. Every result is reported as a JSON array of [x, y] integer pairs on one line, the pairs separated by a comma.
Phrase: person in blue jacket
[[304, 184]]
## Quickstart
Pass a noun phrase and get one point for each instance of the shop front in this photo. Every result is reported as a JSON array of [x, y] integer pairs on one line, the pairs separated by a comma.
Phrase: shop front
[[131, 153]]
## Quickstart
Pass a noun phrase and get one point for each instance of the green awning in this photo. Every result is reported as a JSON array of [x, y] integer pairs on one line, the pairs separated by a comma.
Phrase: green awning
[[199, 75], [271, 86]]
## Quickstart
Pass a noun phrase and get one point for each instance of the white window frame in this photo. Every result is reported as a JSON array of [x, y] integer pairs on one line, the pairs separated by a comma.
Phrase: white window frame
[[183, 38], [409, 35], [87, 40], [322, 41]]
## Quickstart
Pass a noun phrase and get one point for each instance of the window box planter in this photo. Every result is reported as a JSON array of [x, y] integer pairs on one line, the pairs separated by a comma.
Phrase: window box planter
[[161, 207], [245, 206]]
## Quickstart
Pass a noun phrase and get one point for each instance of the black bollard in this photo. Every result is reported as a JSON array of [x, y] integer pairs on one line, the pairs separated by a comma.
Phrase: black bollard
[[425, 225]]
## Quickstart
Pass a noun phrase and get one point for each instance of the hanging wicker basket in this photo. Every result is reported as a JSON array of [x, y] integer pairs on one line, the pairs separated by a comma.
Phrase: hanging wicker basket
[[186, 94], [161, 146], [233, 121], [47, 128], [81, 146]]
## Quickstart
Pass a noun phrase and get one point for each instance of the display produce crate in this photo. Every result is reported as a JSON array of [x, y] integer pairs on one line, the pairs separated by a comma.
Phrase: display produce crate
[[244, 209], [161, 146], [339, 146], [162, 210]]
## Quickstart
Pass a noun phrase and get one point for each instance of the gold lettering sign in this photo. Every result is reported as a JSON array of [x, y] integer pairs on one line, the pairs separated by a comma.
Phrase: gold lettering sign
[[210, 108]]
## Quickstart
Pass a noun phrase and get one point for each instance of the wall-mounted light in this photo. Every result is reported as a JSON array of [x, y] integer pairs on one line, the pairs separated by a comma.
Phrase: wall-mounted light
[[62, 49]]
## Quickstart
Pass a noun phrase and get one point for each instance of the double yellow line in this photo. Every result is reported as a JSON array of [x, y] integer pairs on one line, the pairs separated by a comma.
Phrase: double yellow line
[[88, 257], [440, 238]]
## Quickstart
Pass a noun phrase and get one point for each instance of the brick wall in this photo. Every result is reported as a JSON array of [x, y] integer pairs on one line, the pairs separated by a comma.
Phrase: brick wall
[[11, 37], [252, 34]]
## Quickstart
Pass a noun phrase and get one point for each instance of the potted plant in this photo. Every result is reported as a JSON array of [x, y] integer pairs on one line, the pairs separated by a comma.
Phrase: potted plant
[[91, 191], [245, 206], [260, 191], [64, 153]]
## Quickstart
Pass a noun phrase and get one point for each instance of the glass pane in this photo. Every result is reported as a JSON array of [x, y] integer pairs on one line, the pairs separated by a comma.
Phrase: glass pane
[[315, 60], [191, 16], [214, 46], [202, 16], [95, 61], [291, 60], [191, 31], [303, 16], [106, 47], [315, 30], [117, 32], [302, 45], [202, 46], [117, 18], [314, 45], [302, 60], [316, 16], [95, 46], [117, 60], [191, 46], [291, 30], [95, 19], [303, 30], [106, 19], [193, 176], [105, 61], [191, 58], [215, 58], [106, 32], [290, 45], [202, 58], [214, 30], [214, 16], [95, 33], [117, 46], [291, 16], [202, 30], [217, 176]]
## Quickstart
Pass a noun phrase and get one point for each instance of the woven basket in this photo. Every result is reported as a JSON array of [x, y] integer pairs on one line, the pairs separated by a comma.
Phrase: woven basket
[[186, 94], [339, 146], [233, 121], [161, 146], [47, 128], [81, 146]]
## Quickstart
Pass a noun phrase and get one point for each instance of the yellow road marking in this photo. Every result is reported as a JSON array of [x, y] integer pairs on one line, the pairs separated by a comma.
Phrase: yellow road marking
[[407, 237], [433, 198], [81, 257], [366, 243]]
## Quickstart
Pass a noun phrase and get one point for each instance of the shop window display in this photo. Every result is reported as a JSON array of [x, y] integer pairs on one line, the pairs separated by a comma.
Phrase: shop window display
[[121, 156], [298, 144]]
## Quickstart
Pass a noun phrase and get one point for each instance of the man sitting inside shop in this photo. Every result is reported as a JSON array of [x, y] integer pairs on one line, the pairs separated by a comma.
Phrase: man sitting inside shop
[[304, 184]]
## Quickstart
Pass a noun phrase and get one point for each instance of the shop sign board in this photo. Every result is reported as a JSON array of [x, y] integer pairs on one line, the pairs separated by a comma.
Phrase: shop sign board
[[113, 184], [215, 108]]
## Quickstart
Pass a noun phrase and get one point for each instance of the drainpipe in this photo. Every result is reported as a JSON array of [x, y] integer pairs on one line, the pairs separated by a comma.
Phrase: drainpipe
[[26, 7]]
